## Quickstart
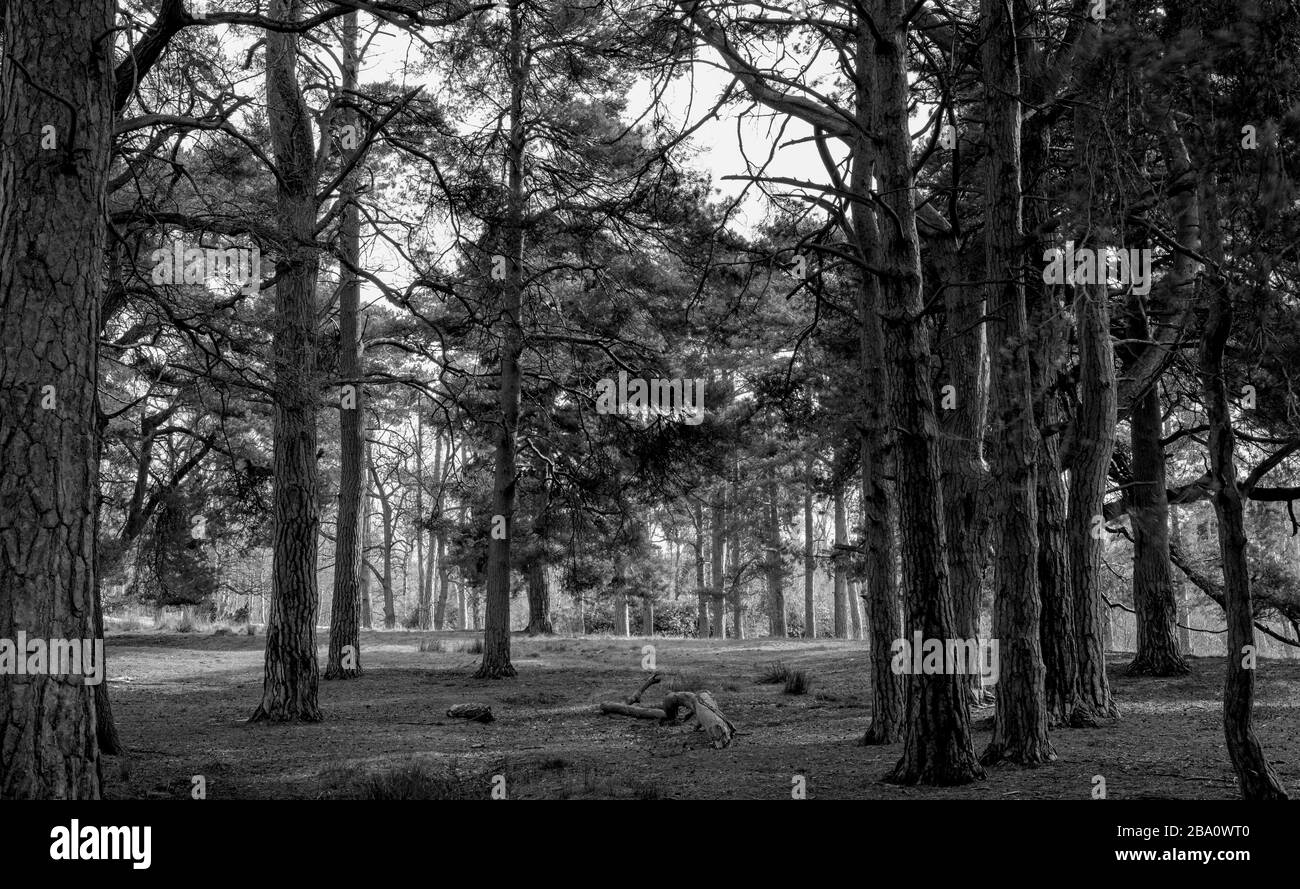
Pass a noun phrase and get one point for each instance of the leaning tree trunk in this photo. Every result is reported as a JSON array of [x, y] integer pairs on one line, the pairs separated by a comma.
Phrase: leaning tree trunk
[[52, 208], [345, 610], [1254, 774], [937, 746], [290, 687], [1020, 718]]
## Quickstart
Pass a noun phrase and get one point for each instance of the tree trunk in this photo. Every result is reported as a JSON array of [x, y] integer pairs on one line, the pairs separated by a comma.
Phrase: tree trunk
[[1254, 774], [345, 611], [110, 743], [937, 743], [718, 529], [621, 616], [290, 688], [775, 586], [733, 557], [702, 605], [1155, 610], [389, 532], [367, 616], [1020, 719], [809, 557], [423, 576], [1180, 586], [1093, 436], [496, 638], [539, 589], [841, 561]]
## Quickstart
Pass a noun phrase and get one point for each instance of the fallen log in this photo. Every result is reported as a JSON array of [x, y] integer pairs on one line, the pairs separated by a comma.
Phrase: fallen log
[[697, 707], [635, 712]]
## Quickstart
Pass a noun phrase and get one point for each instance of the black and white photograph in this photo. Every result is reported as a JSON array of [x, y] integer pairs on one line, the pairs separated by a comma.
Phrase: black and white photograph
[[621, 400]]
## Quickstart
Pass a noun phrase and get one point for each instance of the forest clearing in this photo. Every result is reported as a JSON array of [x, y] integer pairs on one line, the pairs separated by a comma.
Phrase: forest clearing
[[182, 698]]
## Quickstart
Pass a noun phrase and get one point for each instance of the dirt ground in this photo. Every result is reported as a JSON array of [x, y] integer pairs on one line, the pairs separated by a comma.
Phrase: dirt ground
[[182, 701]]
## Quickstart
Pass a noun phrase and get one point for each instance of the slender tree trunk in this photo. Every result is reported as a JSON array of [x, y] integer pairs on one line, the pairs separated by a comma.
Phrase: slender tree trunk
[[937, 747], [388, 529], [496, 641], [1180, 586], [1254, 774], [702, 592], [775, 585], [718, 530], [292, 678], [621, 617], [345, 610], [363, 584], [110, 743], [1020, 719], [1154, 607], [423, 603], [809, 557], [841, 561], [737, 591]]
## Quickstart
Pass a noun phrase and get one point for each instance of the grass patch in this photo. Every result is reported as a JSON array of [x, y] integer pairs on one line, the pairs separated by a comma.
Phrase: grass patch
[[452, 646], [798, 682], [414, 780], [774, 673]]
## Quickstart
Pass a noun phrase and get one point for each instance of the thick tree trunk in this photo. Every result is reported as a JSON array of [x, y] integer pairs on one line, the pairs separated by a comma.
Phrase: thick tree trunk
[[345, 610], [966, 485], [539, 588], [51, 248], [775, 585], [809, 557], [1020, 719], [841, 561], [290, 688], [1093, 438], [937, 745], [539, 599]]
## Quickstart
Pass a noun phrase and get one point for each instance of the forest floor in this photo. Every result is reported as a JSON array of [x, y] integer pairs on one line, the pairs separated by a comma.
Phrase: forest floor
[[182, 700]]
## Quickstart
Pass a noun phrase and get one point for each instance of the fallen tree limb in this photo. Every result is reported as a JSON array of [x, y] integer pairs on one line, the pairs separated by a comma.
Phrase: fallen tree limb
[[697, 707], [636, 698], [635, 712]]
